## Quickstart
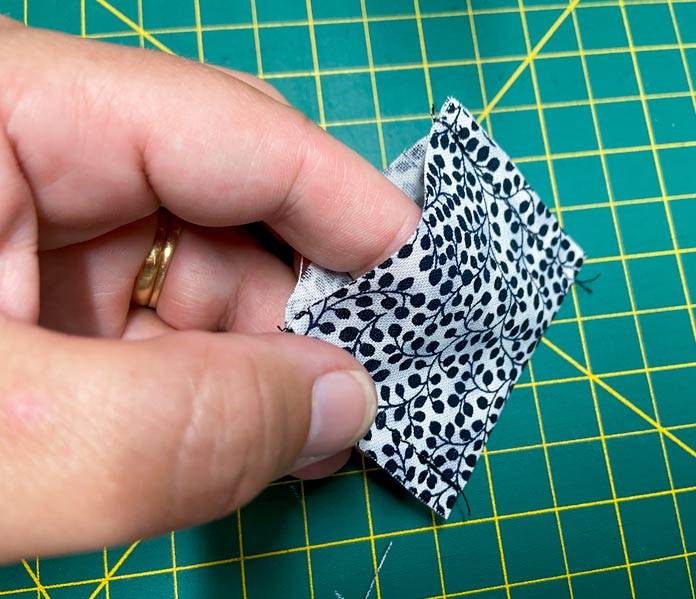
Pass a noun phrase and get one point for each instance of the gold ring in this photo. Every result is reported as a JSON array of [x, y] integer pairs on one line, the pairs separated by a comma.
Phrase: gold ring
[[148, 283]]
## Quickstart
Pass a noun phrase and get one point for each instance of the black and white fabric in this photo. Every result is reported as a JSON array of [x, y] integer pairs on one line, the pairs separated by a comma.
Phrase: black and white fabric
[[446, 325]]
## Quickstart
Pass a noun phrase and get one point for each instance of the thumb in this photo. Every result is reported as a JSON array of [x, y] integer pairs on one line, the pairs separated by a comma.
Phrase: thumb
[[131, 439]]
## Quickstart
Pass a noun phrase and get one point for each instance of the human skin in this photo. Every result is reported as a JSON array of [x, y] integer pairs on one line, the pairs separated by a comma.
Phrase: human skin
[[119, 422]]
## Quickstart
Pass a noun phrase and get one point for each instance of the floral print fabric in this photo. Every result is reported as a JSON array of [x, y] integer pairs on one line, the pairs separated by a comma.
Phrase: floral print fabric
[[446, 325]]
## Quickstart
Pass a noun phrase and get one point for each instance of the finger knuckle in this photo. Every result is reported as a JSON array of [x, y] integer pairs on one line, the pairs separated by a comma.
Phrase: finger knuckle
[[307, 160]]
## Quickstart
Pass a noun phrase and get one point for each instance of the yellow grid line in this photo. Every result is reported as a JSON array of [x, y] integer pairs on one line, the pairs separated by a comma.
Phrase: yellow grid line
[[529, 58], [656, 159], [642, 256], [586, 357], [370, 528], [388, 536], [156, 31], [552, 486], [611, 315], [135, 26], [600, 424], [572, 575], [175, 577], [41, 590], [315, 64], [316, 73], [544, 134], [451, 595], [436, 539], [686, 293], [636, 202], [443, 64], [141, 22], [305, 525], [478, 62], [523, 108], [496, 523], [113, 576], [373, 83], [483, 116], [105, 560], [242, 557], [405, 532], [340, 21], [629, 288], [682, 46], [526, 448], [385, 536], [584, 440], [257, 40], [199, 32], [596, 101], [424, 53], [533, 447], [113, 570], [435, 64], [255, 26], [552, 177], [618, 373], [390, 18], [635, 409], [610, 151]]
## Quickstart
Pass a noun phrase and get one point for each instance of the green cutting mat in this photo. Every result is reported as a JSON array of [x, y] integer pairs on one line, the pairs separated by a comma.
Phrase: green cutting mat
[[588, 488]]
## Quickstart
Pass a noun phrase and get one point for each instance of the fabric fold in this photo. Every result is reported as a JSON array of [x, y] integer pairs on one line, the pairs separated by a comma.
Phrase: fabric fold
[[446, 325]]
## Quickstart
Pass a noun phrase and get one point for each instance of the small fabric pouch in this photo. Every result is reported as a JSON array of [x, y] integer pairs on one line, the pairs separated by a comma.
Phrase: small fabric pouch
[[446, 325]]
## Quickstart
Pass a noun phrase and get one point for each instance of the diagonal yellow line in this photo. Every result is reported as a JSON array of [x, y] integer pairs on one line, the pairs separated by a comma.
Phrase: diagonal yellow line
[[117, 565], [134, 26], [527, 61], [614, 393], [33, 576]]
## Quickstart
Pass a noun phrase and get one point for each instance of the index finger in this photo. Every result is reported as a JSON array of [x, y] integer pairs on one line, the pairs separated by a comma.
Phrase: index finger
[[103, 134]]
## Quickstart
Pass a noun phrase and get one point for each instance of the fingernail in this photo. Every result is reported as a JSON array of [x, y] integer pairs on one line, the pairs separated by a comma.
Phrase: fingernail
[[344, 405]]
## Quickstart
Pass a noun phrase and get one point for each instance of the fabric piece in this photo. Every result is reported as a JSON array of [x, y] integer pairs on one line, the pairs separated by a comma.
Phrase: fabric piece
[[446, 325]]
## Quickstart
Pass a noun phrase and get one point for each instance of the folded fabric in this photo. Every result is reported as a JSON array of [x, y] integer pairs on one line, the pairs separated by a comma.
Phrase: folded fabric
[[446, 325]]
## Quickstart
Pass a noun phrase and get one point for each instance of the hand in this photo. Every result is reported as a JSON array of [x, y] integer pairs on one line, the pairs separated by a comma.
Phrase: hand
[[116, 422]]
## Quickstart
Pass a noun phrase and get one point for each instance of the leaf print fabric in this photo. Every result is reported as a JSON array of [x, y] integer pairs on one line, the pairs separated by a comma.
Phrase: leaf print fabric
[[446, 325]]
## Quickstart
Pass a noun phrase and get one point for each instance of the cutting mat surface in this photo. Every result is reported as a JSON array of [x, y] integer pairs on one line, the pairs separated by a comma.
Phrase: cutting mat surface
[[588, 487]]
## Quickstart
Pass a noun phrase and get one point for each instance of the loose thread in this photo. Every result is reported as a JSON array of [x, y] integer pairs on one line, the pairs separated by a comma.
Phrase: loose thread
[[468, 507], [300, 270], [584, 283], [295, 493], [379, 567], [460, 490], [423, 457]]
